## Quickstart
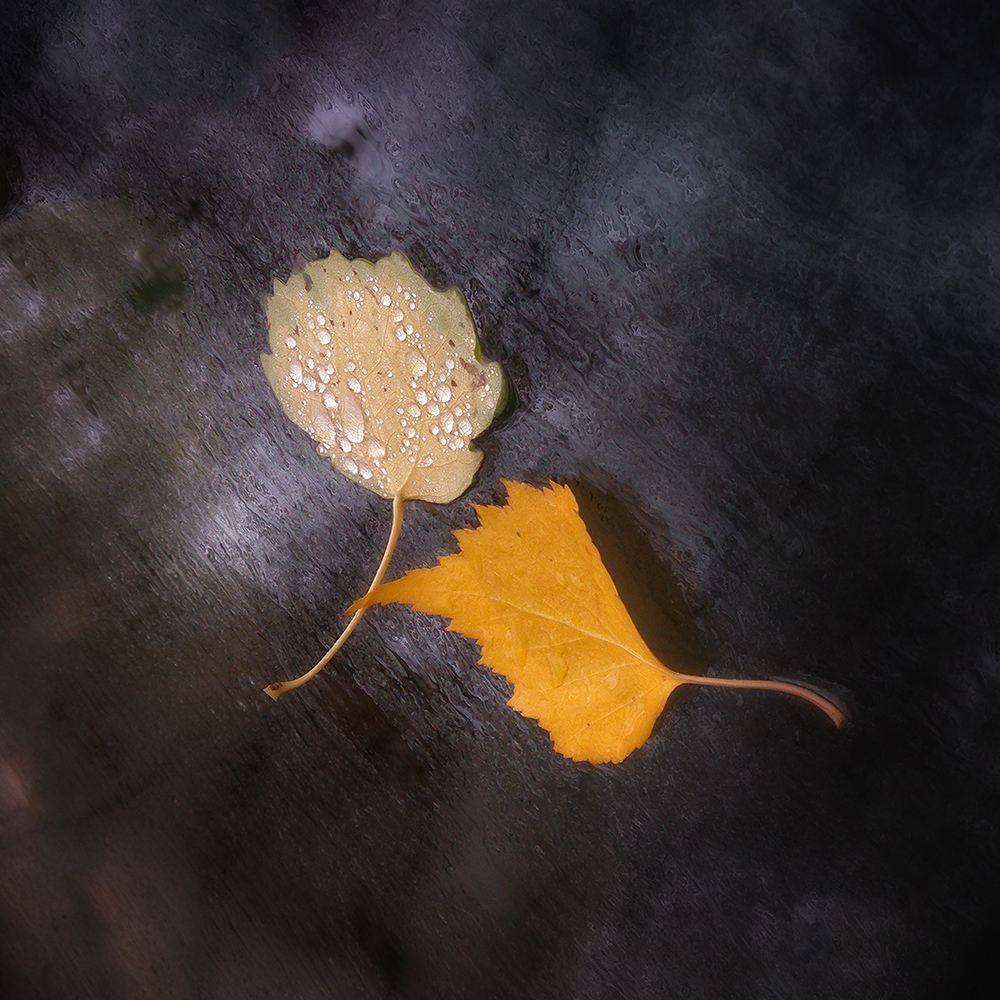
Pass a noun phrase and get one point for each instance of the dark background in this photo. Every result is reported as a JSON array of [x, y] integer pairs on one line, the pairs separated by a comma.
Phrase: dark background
[[740, 263]]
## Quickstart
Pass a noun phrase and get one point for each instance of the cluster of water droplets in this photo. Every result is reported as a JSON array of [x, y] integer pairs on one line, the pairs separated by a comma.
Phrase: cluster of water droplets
[[388, 398]]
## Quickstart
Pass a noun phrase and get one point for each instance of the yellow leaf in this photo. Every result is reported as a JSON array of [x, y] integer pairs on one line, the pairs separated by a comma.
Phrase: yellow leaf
[[530, 587], [384, 372]]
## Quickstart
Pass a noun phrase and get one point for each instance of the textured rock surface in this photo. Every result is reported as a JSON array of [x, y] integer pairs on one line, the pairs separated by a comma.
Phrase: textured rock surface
[[740, 263]]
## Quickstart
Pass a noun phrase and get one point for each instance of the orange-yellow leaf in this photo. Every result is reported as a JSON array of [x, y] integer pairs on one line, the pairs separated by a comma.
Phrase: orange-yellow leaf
[[530, 587]]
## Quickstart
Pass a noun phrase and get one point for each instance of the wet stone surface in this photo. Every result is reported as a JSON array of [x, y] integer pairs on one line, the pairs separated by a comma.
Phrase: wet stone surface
[[740, 266]]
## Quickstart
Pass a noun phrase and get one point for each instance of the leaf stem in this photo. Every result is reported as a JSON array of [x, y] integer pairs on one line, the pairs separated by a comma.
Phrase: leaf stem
[[279, 688], [836, 715]]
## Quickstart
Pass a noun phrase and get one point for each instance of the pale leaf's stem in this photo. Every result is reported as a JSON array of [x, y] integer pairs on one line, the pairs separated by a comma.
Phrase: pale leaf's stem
[[836, 715], [279, 688]]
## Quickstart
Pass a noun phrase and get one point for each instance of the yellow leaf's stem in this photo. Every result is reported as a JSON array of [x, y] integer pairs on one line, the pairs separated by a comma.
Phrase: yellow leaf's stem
[[279, 688], [836, 715]]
